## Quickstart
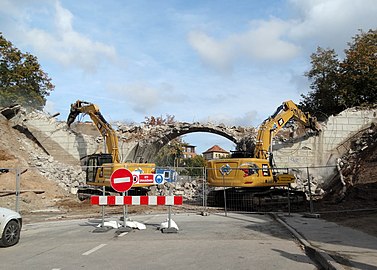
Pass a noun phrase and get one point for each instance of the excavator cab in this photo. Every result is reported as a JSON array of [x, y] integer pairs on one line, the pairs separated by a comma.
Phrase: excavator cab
[[94, 165]]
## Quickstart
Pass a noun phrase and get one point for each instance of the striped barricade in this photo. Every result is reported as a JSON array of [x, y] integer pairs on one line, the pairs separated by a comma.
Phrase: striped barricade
[[136, 200]]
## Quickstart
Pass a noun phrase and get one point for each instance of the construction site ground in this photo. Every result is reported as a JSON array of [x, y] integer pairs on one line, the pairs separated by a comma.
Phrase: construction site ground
[[43, 199]]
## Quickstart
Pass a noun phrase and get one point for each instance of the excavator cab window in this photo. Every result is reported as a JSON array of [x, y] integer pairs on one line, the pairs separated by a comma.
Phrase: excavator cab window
[[94, 162], [241, 154], [91, 169]]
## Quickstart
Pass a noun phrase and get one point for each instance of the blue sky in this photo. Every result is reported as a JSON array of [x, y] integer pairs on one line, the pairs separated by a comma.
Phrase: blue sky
[[229, 62]]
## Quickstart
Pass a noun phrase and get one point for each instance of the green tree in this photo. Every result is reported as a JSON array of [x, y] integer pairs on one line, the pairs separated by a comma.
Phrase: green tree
[[194, 165], [337, 85], [22, 80], [358, 71], [170, 154], [324, 98]]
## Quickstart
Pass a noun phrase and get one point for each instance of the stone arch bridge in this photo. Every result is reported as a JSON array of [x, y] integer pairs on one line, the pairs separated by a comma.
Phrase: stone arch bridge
[[145, 141], [70, 144]]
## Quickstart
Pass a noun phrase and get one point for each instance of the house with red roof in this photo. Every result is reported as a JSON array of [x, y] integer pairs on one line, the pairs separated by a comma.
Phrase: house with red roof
[[215, 152]]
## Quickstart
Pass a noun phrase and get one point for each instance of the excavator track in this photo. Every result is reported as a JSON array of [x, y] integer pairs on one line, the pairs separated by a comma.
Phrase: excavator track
[[258, 200]]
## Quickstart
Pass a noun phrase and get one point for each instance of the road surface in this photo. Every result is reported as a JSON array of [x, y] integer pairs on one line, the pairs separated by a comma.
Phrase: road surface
[[236, 241]]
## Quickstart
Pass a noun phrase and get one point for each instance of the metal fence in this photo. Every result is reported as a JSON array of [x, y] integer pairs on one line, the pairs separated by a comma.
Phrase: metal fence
[[10, 188], [191, 183]]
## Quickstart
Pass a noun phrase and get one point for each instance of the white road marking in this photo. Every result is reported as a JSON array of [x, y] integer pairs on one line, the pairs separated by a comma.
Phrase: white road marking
[[122, 234], [94, 249]]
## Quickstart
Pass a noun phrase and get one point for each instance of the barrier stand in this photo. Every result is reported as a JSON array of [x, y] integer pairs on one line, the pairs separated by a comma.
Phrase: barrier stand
[[225, 170], [289, 200], [140, 200], [169, 229], [225, 210], [124, 228], [102, 228], [17, 190], [311, 214]]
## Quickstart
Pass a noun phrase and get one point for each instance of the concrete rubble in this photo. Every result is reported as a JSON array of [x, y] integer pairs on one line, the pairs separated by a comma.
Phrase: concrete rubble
[[349, 165], [191, 190], [66, 175]]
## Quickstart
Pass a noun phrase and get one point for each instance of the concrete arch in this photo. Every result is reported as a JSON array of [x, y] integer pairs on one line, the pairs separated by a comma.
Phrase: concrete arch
[[160, 135], [176, 133]]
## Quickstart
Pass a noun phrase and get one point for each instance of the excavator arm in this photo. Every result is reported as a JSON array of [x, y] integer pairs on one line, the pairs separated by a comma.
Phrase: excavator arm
[[101, 124], [268, 129]]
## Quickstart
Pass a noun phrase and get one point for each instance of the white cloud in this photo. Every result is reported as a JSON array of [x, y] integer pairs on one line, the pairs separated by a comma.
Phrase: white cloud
[[217, 54], [263, 42], [247, 119], [145, 99], [332, 23], [60, 42], [325, 23]]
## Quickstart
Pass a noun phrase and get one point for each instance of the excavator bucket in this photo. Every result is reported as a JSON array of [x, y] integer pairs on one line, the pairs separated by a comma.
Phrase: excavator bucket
[[74, 112], [313, 124]]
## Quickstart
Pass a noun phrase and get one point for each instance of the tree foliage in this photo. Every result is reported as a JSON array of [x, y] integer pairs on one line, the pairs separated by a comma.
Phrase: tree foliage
[[22, 80], [337, 85], [170, 154], [194, 166], [359, 70], [324, 96]]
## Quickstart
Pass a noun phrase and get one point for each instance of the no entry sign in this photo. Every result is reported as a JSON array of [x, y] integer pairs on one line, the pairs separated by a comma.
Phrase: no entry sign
[[121, 180]]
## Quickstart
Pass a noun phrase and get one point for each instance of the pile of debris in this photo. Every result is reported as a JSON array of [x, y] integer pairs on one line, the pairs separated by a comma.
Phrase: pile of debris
[[190, 190], [302, 184], [30, 153], [144, 133], [357, 166], [66, 176]]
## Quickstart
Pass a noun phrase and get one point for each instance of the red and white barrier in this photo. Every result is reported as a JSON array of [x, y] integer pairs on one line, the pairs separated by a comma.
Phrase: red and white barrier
[[136, 200]]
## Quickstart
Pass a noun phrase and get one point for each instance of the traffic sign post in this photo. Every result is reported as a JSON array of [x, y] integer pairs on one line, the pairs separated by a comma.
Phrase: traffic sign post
[[121, 180], [102, 228]]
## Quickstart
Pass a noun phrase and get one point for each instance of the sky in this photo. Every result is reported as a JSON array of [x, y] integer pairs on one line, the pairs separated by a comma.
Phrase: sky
[[231, 62]]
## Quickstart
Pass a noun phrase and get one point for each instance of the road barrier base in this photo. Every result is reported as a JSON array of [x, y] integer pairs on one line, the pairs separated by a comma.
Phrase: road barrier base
[[102, 229], [169, 230], [123, 229]]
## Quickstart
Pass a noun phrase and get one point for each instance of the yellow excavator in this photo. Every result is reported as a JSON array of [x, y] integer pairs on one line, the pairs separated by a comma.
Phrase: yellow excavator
[[254, 173], [99, 167]]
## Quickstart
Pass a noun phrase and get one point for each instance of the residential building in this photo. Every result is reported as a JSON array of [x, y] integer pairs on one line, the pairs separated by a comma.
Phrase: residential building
[[188, 151], [215, 152]]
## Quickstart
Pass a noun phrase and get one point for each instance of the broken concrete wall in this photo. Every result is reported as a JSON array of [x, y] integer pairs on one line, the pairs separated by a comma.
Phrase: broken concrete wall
[[332, 142], [54, 137], [144, 142]]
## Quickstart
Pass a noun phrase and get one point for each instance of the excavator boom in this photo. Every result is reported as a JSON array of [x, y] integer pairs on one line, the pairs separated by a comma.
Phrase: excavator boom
[[269, 128], [100, 122]]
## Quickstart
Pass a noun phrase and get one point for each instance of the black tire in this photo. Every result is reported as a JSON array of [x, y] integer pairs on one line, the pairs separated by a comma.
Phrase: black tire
[[11, 234]]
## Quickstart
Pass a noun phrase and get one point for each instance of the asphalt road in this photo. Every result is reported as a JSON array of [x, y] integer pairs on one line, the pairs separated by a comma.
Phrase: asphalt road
[[203, 242]]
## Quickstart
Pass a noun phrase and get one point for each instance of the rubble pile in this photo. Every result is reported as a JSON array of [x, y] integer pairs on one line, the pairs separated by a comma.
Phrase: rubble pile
[[157, 133], [356, 165], [190, 190], [67, 176], [302, 184]]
